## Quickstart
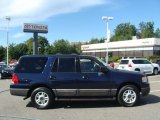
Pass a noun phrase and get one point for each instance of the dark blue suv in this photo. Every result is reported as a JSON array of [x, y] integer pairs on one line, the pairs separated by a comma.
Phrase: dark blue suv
[[48, 78]]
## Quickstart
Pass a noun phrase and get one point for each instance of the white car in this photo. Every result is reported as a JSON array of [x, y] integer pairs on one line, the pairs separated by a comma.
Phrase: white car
[[139, 64]]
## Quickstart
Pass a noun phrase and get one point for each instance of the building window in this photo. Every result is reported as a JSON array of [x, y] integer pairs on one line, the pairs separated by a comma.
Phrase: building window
[[138, 53], [147, 53]]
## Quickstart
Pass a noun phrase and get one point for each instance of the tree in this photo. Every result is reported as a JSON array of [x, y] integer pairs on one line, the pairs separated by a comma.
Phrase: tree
[[12, 51], [42, 44], [124, 31], [147, 29], [64, 47], [61, 46], [94, 41], [16, 51], [157, 33], [2, 53]]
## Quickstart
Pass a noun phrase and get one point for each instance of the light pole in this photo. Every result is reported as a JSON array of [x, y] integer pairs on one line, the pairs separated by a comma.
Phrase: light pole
[[106, 19], [8, 20]]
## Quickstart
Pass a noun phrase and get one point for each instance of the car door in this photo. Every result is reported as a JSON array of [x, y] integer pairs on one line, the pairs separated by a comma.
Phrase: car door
[[148, 66], [64, 77], [92, 82]]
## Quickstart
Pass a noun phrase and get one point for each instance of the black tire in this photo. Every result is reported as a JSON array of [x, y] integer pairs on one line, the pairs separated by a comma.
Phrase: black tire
[[131, 98], [0, 76], [42, 98], [155, 71]]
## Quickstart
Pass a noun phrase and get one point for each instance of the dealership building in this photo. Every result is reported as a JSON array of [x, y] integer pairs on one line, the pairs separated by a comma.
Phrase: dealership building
[[128, 48]]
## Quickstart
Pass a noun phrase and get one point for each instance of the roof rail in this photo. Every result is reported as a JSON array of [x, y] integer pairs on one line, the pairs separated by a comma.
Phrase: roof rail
[[131, 57]]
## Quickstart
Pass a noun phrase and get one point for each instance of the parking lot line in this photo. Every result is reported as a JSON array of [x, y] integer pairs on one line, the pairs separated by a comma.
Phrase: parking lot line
[[4, 91], [17, 117], [154, 82], [153, 91]]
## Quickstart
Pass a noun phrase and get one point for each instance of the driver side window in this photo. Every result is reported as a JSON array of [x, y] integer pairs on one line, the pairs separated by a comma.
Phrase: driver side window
[[89, 66]]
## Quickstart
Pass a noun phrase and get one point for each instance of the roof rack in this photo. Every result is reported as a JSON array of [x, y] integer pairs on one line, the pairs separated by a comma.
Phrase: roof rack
[[131, 57]]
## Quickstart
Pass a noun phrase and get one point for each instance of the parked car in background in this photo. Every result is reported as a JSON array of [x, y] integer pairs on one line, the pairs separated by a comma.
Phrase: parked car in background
[[111, 64], [5, 71], [50, 78], [158, 62], [139, 64]]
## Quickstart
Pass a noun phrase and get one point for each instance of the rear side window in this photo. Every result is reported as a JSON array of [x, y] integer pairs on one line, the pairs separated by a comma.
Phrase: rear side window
[[31, 65], [136, 61], [64, 65], [123, 62]]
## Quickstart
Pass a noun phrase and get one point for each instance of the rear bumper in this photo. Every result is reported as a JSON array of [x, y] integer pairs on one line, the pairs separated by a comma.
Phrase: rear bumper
[[145, 91], [19, 92]]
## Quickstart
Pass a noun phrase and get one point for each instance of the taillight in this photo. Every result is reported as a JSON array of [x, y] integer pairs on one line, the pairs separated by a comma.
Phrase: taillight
[[129, 65], [15, 79]]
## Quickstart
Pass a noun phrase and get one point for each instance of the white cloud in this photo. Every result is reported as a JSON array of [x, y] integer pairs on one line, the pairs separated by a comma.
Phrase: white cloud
[[18, 35], [22, 11]]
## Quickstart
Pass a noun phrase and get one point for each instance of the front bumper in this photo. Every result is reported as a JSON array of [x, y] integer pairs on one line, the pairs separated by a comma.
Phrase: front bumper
[[145, 91]]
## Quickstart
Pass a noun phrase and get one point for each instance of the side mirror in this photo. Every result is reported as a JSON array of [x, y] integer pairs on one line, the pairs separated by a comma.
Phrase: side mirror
[[104, 70]]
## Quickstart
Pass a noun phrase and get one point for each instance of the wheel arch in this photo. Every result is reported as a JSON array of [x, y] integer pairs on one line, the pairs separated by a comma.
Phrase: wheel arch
[[37, 86], [155, 68], [128, 83], [137, 69]]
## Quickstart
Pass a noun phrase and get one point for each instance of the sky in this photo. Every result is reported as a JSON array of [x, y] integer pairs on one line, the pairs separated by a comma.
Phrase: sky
[[73, 20]]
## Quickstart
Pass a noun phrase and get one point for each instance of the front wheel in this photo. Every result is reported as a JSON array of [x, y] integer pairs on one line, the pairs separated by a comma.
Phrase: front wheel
[[42, 98], [128, 95]]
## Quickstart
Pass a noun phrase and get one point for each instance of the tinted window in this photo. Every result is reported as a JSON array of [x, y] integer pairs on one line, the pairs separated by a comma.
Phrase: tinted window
[[88, 65], [146, 62], [66, 65], [136, 61], [124, 61], [31, 65], [54, 69]]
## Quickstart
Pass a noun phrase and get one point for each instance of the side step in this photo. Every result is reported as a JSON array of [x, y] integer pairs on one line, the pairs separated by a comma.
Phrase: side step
[[85, 99]]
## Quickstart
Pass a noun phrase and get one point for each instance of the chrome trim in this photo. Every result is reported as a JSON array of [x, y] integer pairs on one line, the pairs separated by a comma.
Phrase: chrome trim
[[93, 92], [85, 92], [65, 92], [113, 92]]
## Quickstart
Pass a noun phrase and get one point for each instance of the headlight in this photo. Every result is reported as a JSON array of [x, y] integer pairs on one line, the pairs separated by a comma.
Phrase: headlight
[[145, 79], [2, 71]]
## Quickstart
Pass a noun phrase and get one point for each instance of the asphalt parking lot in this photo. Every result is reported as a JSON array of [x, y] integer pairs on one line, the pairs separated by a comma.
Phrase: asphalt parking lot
[[15, 108]]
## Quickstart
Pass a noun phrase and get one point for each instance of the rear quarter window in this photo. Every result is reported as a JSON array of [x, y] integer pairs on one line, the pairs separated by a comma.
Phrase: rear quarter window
[[123, 62], [31, 65]]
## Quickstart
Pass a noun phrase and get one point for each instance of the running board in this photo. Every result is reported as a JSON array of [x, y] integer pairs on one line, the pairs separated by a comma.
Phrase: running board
[[85, 99]]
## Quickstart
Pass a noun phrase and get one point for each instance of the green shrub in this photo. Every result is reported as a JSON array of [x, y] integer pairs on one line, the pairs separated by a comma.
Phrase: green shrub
[[114, 59], [153, 58]]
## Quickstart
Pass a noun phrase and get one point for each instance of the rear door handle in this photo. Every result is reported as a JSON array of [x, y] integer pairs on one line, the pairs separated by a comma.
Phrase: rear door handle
[[52, 78], [85, 77]]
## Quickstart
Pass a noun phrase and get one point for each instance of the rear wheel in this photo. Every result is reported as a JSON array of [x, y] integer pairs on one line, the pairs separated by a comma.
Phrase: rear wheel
[[0, 76], [128, 95], [42, 98], [155, 71]]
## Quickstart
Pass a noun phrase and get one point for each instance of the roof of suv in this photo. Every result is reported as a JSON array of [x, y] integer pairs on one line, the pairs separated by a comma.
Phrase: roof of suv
[[133, 59], [58, 55]]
